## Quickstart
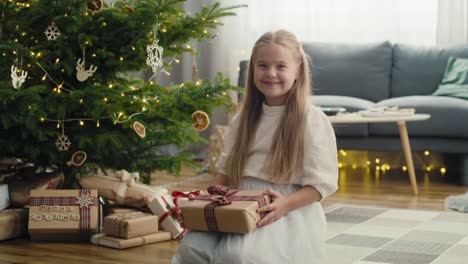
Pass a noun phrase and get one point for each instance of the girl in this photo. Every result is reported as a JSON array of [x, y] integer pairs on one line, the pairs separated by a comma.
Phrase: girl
[[282, 144]]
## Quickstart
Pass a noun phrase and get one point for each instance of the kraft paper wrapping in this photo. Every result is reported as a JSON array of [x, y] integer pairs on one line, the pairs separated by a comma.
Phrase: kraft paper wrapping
[[161, 206], [116, 226], [4, 197], [237, 217], [129, 215], [13, 223], [120, 243], [20, 189], [123, 190], [121, 210], [62, 222]]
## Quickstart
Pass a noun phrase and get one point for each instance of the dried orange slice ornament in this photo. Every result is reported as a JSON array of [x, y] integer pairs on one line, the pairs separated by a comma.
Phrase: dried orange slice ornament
[[139, 129], [201, 120], [127, 9], [77, 159], [94, 5]]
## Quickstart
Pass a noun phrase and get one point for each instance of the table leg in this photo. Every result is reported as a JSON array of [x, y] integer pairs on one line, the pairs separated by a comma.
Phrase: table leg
[[407, 152]]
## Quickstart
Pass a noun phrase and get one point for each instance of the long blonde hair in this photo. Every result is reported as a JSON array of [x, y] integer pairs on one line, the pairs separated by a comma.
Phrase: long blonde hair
[[287, 150]]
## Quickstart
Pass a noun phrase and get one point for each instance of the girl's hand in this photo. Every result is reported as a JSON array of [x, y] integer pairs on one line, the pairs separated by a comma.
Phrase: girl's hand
[[277, 209]]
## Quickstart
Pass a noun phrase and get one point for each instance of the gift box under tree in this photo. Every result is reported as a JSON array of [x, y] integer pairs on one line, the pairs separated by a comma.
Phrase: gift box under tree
[[58, 215], [130, 225]]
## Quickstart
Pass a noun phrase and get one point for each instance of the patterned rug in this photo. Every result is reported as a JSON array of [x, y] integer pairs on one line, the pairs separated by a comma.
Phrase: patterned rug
[[365, 235]]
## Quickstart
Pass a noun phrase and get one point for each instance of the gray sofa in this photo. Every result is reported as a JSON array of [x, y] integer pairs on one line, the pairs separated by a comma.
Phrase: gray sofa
[[360, 76]]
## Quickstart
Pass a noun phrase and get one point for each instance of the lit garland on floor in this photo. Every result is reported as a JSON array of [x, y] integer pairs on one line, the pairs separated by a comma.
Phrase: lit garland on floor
[[386, 161]]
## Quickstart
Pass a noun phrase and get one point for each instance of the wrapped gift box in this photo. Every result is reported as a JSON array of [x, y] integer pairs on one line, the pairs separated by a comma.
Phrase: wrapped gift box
[[130, 227], [13, 223], [4, 197], [121, 210], [205, 214], [121, 187], [57, 215], [121, 243], [163, 206], [129, 215], [20, 188]]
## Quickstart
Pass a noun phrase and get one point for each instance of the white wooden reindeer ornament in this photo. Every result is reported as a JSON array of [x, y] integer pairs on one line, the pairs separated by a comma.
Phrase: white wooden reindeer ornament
[[82, 74], [17, 81]]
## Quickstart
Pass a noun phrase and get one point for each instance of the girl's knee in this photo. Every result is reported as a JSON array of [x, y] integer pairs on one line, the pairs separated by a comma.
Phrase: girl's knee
[[196, 247]]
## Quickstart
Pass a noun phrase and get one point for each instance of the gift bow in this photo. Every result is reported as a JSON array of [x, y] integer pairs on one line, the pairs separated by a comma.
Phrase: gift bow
[[220, 194]]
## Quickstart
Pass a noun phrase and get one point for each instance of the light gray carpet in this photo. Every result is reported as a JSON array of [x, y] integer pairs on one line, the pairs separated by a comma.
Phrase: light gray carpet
[[365, 235]]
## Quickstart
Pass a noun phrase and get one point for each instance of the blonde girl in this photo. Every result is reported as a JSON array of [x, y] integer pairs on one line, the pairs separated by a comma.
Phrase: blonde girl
[[280, 143]]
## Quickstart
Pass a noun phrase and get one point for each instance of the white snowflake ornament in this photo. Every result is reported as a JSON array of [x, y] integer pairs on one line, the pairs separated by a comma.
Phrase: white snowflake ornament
[[154, 56], [82, 74], [63, 143], [16, 80], [52, 32], [84, 200]]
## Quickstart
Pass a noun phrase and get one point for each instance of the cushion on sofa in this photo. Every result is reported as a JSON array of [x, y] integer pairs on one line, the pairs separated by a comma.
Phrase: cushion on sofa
[[418, 70], [448, 117], [351, 104], [242, 81], [357, 70], [455, 81]]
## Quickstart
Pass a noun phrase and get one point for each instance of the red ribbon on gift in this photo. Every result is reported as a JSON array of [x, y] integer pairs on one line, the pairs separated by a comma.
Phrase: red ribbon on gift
[[177, 194], [84, 201], [171, 210], [221, 195]]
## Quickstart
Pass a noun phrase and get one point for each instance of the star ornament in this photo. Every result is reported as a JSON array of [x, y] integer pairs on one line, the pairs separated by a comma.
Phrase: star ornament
[[84, 201]]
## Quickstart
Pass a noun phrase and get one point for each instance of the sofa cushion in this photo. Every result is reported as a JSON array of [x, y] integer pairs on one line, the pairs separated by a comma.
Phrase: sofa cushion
[[455, 81], [243, 67], [448, 117], [352, 105], [357, 70], [418, 70]]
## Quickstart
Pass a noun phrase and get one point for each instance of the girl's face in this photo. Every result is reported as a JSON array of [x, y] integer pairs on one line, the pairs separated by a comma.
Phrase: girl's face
[[275, 70]]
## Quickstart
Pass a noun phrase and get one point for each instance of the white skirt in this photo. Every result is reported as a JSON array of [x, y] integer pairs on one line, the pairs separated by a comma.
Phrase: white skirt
[[298, 237]]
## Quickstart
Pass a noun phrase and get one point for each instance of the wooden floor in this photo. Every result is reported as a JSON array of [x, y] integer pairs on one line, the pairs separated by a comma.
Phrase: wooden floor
[[357, 186]]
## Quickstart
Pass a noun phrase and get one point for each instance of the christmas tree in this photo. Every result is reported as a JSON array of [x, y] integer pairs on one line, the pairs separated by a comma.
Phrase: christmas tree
[[65, 101]]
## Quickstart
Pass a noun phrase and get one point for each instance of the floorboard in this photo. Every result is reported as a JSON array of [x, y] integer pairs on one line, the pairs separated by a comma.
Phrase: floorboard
[[359, 187]]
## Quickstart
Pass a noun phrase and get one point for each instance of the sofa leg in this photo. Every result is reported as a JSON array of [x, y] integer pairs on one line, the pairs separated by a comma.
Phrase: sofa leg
[[464, 170]]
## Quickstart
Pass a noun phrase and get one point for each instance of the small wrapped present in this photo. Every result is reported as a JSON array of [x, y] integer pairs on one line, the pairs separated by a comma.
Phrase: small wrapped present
[[21, 188], [130, 227], [120, 243], [121, 187], [57, 215], [121, 210], [13, 223], [169, 215], [129, 214], [224, 210], [4, 197]]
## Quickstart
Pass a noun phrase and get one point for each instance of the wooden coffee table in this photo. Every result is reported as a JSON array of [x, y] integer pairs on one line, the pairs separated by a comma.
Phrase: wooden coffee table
[[350, 118]]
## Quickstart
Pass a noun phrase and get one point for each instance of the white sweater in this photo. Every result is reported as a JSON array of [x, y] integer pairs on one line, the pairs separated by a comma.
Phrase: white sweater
[[320, 155]]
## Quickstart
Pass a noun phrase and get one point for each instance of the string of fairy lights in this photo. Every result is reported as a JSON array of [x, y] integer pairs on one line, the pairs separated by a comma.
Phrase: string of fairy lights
[[155, 61], [380, 165], [59, 85]]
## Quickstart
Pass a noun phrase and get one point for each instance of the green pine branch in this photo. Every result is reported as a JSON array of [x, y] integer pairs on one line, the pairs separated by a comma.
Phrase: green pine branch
[[97, 114]]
